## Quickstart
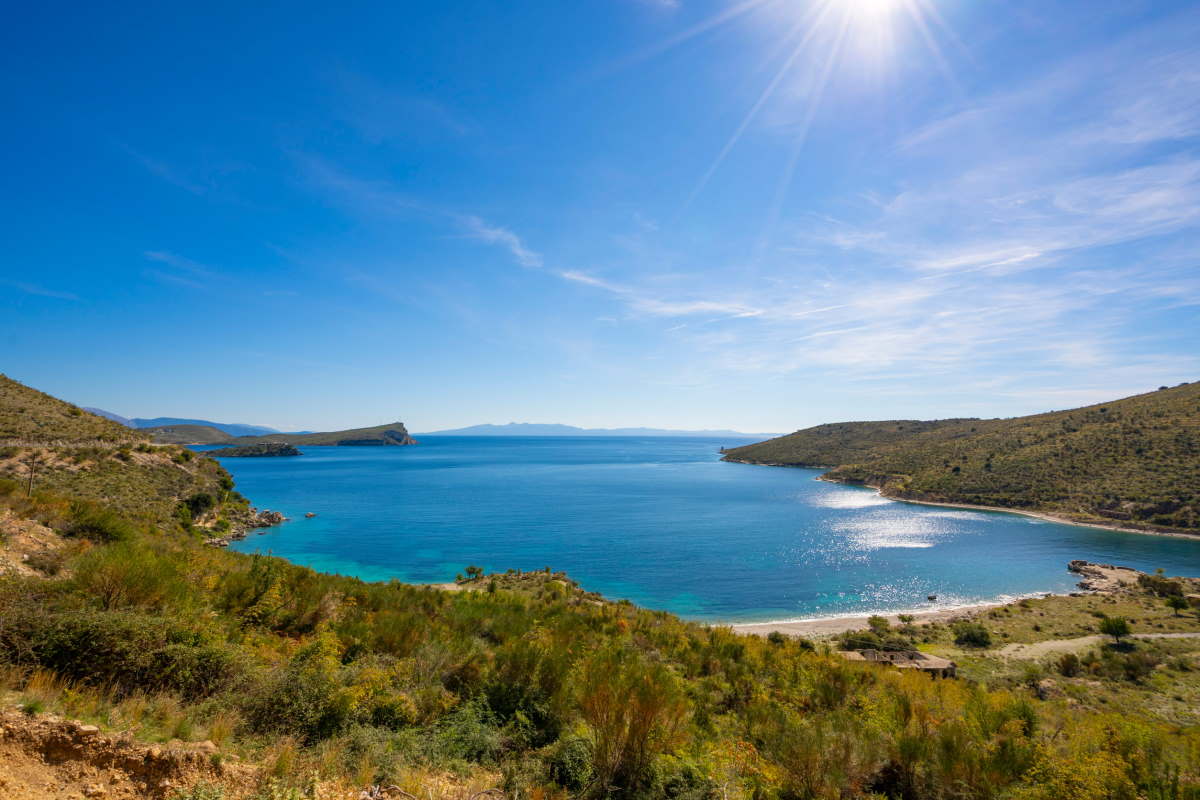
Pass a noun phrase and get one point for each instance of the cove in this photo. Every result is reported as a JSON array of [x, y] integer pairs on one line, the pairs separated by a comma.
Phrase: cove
[[664, 523]]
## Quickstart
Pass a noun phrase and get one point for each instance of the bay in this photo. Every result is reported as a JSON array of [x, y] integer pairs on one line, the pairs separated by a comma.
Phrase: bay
[[663, 522]]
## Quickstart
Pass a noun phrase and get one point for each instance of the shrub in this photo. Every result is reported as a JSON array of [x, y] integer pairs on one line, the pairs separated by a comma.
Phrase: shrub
[[635, 709], [128, 652], [90, 521], [124, 574], [200, 791], [571, 763], [306, 698], [467, 734], [972, 634], [1068, 665]]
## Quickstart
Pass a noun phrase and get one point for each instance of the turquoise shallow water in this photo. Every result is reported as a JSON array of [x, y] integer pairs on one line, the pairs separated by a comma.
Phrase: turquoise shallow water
[[663, 522]]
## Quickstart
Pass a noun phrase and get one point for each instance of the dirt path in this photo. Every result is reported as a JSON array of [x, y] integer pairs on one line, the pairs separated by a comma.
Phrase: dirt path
[[1053, 646]]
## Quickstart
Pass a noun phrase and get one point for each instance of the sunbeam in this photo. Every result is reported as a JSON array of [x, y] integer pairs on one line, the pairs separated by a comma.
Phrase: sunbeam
[[763, 97], [834, 35]]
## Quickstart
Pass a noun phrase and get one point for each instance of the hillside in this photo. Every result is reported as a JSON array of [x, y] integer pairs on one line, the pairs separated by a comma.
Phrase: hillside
[[1133, 462], [102, 466], [231, 428], [202, 674], [27, 415], [393, 434], [188, 434]]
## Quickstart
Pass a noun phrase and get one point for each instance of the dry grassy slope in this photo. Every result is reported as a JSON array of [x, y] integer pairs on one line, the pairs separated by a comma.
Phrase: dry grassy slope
[[1134, 461], [393, 433], [80, 455], [188, 434], [29, 415]]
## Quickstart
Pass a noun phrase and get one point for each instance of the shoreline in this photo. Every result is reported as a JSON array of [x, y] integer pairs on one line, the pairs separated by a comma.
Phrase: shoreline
[[1042, 515], [832, 626]]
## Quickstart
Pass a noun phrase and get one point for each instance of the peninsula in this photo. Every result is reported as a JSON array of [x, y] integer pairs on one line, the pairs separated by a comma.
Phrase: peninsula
[[1132, 463], [391, 434]]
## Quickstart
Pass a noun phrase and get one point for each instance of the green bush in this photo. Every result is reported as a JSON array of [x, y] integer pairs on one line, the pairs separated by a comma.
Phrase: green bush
[[128, 652], [126, 574], [972, 634], [88, 520], [306, 698], [570, 763]]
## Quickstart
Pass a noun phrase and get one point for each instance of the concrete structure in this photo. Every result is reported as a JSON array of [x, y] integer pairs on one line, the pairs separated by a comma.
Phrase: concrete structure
[[904, 659]]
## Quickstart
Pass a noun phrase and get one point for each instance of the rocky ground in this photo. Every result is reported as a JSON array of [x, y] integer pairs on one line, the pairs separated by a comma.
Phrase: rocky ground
[[44, 756]]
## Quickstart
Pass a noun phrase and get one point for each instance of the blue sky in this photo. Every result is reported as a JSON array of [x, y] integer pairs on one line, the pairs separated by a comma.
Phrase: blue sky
[[680, 213]]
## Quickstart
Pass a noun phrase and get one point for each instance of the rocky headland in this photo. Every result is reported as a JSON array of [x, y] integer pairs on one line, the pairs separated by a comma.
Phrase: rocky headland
[[242, 524]]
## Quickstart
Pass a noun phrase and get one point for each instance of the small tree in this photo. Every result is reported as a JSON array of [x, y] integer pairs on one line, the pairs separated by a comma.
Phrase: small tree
[[474, 572], [1177, 603], [1115, 627]]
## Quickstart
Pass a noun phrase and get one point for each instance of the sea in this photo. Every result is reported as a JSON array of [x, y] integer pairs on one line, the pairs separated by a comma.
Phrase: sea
[[663, 522]]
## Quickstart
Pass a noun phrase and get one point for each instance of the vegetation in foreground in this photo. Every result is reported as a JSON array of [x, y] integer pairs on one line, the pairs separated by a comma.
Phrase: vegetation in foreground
[[520, 681], [1133, 462]]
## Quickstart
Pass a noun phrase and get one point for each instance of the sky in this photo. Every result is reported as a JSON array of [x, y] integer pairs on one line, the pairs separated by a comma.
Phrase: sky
[[757, 215]]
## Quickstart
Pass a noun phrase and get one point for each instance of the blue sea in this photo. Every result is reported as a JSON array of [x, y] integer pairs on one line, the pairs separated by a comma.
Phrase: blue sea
[[664, 523]]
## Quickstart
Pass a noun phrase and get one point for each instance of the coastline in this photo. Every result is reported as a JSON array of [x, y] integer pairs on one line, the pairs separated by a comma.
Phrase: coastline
[[1042, 515], [832, 626]]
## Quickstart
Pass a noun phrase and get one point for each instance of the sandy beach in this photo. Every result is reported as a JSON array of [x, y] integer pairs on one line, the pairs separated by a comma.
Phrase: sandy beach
[[1000, 509]]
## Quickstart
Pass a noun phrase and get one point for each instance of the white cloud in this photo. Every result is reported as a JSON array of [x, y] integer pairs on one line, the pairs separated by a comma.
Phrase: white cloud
[[494, 234]]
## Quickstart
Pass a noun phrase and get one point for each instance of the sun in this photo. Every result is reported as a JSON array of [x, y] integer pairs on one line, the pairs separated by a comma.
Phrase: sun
[[871, 24]]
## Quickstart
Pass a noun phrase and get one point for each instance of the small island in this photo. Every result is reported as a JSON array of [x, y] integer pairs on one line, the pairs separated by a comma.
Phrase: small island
[[261, 450]]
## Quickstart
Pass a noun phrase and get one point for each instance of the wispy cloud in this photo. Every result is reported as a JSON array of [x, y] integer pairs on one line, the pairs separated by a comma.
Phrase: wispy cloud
[[166, 171], [488, 233], [642, 302], [179, 270], [381, 199], [42, 291]]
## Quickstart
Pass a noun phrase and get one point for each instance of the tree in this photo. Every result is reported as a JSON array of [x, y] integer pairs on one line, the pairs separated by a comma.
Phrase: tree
[[1177, 603], [474, 572], [1115, 627]]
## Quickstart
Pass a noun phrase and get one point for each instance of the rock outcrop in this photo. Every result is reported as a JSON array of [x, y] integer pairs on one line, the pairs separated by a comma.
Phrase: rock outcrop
[[1103, 577], [242, 525]]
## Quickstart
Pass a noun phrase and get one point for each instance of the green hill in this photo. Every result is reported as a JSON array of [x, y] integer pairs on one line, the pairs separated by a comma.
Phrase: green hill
[[392, 434], [1133, 462], [188, 434], [27, 415], [101, 466]]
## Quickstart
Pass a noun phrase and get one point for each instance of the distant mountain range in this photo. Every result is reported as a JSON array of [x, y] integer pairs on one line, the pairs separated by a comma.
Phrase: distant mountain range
[[537, 429], [187, 430], [232, 428]]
